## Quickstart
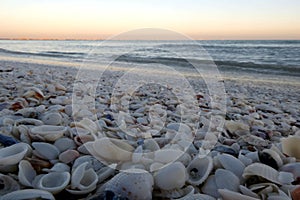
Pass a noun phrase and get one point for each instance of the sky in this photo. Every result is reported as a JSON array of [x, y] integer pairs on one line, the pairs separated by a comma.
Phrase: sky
[[199, 19]]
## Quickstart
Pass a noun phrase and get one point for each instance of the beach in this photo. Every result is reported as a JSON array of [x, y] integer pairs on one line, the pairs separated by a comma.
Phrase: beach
[[152, 141]]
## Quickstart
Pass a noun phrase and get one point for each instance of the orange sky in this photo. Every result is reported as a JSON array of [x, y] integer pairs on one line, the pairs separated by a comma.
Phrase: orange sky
[[200, 19]]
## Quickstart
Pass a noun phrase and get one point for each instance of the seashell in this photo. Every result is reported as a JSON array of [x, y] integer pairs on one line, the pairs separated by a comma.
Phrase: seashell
[[261, 170], [58, 167], [285, 178], [81, 139], [199, 169], [53, 182], [38, 164], [87, 124], [45, 150], [68, 156], [28, 194], [167, 155], [111, 149], [29, 121], [170, 177], [7, 140], [291, 147], [235, 127], [34, 92], [271, 158], [26, 173], [92, 163], [246, 161], [59, 87], [8, 184], [64, 144], [12, 155], [230, 195], [246, 191], [210, 187], [294, 168], [83, 180], [52, 118], [225, 179], [134, 184], [232, 164], [28, 112], [151, 144], [49, 132]]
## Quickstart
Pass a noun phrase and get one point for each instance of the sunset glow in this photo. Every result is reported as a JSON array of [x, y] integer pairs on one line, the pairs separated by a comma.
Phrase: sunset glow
[[200, 19]]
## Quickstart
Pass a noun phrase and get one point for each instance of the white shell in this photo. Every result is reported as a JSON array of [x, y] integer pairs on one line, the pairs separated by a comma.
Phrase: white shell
[[291, 147], [49, 132], [13, 154], [232, 164], [111, 149], [134, 184], [230, 195], [83, 180], [167, 155], [87, 124], [53, 182], [172, 176], [28, 194], [199, 169], [45, 150], [64, 144], [26, 173]]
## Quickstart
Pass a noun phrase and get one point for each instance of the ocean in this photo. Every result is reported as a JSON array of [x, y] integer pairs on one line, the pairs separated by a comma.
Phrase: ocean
[[273, 57]]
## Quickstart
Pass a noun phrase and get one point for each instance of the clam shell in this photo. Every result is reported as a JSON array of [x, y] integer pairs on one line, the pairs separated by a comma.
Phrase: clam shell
[[52, 118], [225, 179], [291, 147], [13, 154], [8, 184], [172, 176], [112, 149], [53, 182], [232, 164], [45, 150], [28, 194], [134, 184], [199, 169], [26, 173], [49, 132]]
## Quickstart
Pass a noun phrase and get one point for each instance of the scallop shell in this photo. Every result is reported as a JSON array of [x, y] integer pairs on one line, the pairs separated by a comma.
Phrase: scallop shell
[[26, 173], [261, 170], [230, 195], [170, 177], [199, 169], [83, 180], [12, 155], [28, 194], [8, 184], [134, 184], [49, 132], [111, 150], [291, 147], [53, 182]]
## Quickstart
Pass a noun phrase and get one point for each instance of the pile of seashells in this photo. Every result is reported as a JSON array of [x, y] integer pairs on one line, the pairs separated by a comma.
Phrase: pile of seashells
[[52, 149]]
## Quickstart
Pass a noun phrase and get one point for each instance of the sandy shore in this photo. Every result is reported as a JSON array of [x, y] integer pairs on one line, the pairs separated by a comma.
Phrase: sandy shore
[[233, 129]]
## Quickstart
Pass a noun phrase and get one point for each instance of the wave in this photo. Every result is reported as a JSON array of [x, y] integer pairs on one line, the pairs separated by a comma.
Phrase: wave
[[222, 64], [44, 53]]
